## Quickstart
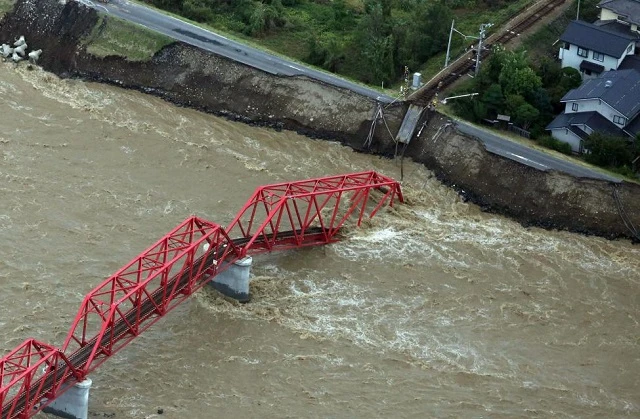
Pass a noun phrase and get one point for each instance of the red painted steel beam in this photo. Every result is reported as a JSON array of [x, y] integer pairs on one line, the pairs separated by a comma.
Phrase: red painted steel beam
[[310, 211], [145, 289], [280, 216], [30, 373]]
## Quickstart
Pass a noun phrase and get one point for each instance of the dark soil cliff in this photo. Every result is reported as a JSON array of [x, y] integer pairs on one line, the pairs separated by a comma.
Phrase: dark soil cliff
[[191, 77]]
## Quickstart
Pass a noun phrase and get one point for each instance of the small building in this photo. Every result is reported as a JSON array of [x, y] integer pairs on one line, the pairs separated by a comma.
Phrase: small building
[[593, 49], [626, 12], [609, 104]]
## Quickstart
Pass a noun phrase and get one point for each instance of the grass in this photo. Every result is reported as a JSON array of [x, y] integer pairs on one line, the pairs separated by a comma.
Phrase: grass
[[308, 18], [6, 6], [543, 42], [113, 36], [468, 22], [262, 46]]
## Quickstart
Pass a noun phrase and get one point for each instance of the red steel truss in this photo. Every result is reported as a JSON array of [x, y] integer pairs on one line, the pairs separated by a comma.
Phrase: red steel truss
[[31, 372], [276, 217], [144, 290], [309, 212]]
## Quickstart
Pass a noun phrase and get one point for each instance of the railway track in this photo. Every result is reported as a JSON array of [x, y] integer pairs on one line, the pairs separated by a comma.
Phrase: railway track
[[145, 310], [464, 64]]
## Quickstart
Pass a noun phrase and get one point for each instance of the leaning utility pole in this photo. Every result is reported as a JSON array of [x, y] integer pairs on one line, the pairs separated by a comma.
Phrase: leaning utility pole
[[446, 60], [483, 29]]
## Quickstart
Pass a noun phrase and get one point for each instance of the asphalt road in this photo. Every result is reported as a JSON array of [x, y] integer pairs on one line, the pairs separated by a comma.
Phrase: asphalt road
[[198, 37], [530, 157]]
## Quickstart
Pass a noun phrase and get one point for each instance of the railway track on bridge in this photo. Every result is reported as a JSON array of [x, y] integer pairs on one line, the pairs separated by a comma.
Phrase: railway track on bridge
[[466, 63], [280, 216]]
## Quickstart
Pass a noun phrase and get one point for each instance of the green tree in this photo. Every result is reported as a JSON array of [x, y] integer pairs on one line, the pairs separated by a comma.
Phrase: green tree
[[265, 17], [519, 81], [512, 103], [326, 51], [570, 78], [549, 71], [490, 71], [493, 99], [609, 150], [375, 44], [526, 115], [421, 34]]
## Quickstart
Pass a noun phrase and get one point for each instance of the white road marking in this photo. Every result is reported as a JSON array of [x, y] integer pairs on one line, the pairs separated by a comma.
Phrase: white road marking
[[526, 160]]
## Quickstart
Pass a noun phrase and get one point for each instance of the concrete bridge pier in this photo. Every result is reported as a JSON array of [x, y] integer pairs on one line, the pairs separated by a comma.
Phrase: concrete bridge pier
[[234, 281], [73, 403]]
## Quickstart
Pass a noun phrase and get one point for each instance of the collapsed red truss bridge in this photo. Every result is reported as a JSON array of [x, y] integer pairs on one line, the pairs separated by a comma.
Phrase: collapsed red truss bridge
[[277, 217]]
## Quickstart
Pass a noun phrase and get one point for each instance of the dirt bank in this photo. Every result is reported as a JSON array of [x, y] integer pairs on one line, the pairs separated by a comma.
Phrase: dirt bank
[[533, 197], [191, 77]]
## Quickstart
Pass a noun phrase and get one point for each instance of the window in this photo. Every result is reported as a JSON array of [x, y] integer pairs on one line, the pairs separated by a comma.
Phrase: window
[[583, 52], [574, 107], [598, 57], [619, 120], [566, 45]]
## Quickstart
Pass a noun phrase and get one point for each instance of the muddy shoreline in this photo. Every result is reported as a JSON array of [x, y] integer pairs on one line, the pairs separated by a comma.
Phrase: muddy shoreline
[[190, 77]]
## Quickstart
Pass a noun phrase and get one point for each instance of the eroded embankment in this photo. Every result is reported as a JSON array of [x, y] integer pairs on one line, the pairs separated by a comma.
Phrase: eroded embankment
[[533, 197], [192, 77]]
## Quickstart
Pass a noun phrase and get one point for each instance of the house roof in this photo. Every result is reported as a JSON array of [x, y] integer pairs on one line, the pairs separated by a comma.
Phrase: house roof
[[596, 38], [633, 127], [629, 9], [617, 27], [622, 93], [592, 119], [580, 133], [630, 62]]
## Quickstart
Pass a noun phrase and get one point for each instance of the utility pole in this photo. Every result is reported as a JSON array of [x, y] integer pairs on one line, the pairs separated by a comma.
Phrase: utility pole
[[578, 11], [446, 60], [483, 29]]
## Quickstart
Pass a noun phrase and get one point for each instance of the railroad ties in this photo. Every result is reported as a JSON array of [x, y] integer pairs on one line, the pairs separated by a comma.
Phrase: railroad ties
[[464, 64]]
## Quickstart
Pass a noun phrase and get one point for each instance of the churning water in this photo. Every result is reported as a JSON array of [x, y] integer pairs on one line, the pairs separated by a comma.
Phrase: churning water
[[431, 309]]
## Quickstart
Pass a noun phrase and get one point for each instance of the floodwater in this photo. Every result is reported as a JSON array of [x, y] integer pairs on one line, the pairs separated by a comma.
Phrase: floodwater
[[434, 309]]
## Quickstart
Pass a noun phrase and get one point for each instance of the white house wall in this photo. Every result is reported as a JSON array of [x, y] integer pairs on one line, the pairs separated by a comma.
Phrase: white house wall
[[597, 105], [606, 14], [566, 136], [628, 51], [570, 58]]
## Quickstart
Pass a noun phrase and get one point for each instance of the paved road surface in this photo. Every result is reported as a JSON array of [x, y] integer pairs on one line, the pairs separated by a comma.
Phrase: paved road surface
[[193, 35], [530, 157]]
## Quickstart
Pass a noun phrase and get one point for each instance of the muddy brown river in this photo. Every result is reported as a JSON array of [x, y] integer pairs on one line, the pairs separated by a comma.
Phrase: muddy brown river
[[434, 309]]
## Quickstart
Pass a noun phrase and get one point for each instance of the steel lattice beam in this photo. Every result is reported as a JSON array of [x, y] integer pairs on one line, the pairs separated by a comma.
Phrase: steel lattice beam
[[145, 289], [28, 374], [314, 210], [280, 216]]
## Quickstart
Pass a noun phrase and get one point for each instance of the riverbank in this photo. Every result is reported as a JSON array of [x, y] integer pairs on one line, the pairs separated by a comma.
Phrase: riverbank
[[188, 76]]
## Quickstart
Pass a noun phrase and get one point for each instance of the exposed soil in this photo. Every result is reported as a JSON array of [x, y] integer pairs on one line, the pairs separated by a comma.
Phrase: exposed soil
[[191, 77]]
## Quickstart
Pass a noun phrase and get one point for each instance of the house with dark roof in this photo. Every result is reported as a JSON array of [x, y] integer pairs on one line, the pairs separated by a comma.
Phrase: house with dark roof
[[593, 49], [626, 12], [608, 104]]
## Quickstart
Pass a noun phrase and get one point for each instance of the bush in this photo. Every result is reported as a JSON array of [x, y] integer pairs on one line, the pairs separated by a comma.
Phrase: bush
[[552, 143], [625, 171]]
